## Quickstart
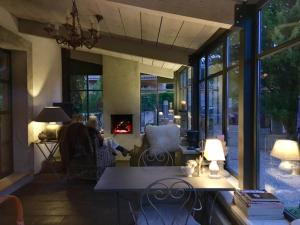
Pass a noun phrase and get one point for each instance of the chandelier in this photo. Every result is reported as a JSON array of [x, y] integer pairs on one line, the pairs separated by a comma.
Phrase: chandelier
[[71, 34]]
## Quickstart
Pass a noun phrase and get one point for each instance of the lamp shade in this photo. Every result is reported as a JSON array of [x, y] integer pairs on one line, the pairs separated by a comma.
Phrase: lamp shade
[[52, 114], [213, 150], [286, 150]]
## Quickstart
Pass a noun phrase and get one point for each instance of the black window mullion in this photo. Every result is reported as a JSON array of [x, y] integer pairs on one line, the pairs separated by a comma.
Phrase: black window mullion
[[87, 96]]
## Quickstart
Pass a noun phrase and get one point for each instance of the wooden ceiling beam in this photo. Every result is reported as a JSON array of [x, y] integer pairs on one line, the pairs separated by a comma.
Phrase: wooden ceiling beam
[[122, 45], [217, 13]]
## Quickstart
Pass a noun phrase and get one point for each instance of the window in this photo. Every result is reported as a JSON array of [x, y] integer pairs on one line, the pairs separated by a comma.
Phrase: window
[[219, 101], [157, 100], [202, 100], [279, 92], [232, 118], [6, 151], [185, 98], [87, 95], [215, 92], [215, 60], [214, 111], [232, 100]]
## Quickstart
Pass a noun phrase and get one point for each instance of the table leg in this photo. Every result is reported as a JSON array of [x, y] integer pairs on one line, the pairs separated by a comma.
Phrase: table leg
[[118, 208]]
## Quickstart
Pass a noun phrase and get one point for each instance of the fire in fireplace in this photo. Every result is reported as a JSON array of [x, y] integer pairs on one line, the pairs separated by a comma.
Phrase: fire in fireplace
[[121, 124]]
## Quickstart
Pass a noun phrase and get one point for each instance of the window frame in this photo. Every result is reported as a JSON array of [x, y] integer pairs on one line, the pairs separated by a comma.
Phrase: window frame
[[9, 111], [223, 40], [259, 56], [87, 90]]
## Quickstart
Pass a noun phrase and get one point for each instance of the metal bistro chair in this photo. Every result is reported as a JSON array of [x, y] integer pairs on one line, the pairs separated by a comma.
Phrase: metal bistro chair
[[168, 201], [150, 159]]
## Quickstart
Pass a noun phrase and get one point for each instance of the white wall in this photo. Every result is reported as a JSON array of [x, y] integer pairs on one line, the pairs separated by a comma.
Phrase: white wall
[[121, 85], [47, 82], [44, 74]]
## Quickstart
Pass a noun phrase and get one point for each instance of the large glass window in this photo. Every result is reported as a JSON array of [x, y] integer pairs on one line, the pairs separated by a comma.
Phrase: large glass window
[[214, 112], [202, 97], [279, 118], [215, 60], [157, 100], [6, 151], [232, 118], [232, 100], [185, 98], [87, 95], [279, 91], [218, 102]]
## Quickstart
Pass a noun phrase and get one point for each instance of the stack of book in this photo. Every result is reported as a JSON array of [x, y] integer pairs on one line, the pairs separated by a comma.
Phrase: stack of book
[[256, 204]]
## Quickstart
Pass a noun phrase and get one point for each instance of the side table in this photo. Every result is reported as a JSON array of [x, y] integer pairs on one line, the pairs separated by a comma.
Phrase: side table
[[48, 150]]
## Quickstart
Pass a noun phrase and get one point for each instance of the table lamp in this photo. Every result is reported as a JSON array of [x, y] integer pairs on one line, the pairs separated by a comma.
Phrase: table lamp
[[213, 151], [287, 151], [52, 115]]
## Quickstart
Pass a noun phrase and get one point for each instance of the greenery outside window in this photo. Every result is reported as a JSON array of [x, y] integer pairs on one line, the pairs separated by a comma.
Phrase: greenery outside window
[[279, 23], [157, 100], [278, 115], [87, 95]]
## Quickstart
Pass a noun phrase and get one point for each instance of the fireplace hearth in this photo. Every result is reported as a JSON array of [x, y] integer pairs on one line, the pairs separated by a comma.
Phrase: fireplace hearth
[[121, 124]]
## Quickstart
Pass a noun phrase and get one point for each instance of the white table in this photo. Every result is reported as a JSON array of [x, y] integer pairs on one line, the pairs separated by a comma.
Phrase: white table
[[129, 179]]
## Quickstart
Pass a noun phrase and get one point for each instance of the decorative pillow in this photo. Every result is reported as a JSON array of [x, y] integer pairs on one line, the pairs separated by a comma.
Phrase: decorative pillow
[[165, 138]]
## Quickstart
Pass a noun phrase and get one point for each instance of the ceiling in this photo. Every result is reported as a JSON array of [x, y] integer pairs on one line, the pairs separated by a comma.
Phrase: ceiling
[[127, 22]]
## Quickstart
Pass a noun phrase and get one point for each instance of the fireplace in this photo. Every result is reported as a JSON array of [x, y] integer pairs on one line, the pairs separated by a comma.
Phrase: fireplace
[[121, 124]]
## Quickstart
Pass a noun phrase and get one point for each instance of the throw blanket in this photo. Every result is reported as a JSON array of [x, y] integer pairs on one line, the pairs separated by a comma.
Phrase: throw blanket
[[20, 219]]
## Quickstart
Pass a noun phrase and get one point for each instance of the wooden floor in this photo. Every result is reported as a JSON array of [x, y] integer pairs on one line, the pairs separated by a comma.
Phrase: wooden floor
[[48, 201]]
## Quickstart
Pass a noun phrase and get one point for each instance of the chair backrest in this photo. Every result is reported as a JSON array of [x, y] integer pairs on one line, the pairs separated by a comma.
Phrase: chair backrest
[[147, 158], [173, 193]]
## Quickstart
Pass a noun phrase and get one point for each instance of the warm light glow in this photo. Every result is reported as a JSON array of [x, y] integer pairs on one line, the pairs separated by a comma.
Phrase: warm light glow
[[213, 150], [286, 150], [177, 117]]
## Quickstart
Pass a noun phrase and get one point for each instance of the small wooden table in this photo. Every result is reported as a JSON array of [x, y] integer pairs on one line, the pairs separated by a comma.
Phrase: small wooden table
[[137, 179], [48, 150]]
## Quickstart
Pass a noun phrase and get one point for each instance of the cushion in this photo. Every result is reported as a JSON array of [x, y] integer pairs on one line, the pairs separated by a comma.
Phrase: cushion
[[168, 213], [165, 138]]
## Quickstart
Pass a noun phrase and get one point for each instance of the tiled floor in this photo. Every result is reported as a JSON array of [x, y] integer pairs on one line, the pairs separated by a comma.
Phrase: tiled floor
[[47, 201]]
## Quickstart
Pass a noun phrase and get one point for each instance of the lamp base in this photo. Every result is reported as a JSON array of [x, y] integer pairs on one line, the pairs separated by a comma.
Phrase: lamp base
[[51, 131], [286, 166], [214, 170]]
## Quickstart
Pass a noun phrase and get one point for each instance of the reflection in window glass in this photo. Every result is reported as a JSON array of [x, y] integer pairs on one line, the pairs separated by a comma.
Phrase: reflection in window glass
[[214, 116], [202, 110], [232, 118], [279, 118], [233, 48], [202, 69], [215, 60], [280, 22]]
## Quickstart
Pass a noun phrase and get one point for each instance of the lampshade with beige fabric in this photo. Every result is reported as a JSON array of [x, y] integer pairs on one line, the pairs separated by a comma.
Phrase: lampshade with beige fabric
[[286, 151], [213, 151]]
